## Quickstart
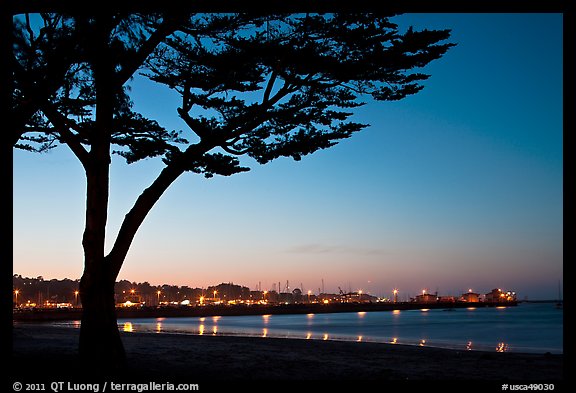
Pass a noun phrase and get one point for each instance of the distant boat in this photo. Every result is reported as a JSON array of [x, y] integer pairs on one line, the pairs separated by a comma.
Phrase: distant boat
[[559, 303]]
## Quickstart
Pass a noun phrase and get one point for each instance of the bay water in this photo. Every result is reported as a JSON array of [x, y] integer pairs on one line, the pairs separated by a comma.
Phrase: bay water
[[527, 327]]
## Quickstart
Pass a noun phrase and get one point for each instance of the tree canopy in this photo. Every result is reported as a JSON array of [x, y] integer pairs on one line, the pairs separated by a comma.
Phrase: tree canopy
[[263, 86]]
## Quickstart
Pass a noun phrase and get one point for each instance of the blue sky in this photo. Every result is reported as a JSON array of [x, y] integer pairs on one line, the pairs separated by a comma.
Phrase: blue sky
[[457, 187]]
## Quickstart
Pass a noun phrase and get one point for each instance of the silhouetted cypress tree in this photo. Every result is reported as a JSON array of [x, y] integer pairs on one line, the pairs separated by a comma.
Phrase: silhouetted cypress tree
[[260, 86]]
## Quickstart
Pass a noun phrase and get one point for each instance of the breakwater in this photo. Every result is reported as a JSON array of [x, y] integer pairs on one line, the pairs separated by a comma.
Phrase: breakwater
[[255, 309]]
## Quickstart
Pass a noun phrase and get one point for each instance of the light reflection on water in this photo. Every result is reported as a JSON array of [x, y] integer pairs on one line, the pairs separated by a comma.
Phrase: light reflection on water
[[525, 328]]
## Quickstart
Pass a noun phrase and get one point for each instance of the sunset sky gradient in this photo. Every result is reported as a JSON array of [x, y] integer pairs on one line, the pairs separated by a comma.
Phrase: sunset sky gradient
[[457, 187]]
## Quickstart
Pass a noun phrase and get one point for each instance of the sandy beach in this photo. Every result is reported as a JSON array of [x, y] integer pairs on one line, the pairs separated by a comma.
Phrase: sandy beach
[[212, 359]]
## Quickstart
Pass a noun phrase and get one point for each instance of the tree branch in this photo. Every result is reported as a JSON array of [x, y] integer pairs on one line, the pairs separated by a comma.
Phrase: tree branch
[[146, 201], [37, 92], [167, 27], [269, 88], [228, 149], [194, 125], [60, 122]]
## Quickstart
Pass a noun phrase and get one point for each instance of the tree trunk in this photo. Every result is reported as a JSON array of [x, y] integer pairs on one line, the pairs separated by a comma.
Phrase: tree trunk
[[101, 347]]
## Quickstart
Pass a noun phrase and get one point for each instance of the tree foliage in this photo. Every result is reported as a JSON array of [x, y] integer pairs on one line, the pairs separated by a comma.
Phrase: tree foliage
[[263, 86], [251, 86]]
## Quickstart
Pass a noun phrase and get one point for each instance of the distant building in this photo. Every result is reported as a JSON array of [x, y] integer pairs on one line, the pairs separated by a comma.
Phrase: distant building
[[271, 297], [297, 295], [470, 297], [256, 295], [326, 298], [285, 297], [447, 299], [497, 295], [426, 298], [358, 297]]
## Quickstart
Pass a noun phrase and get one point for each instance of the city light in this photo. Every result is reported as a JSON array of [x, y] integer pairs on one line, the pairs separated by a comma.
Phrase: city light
[[235, 295], [501, 347]]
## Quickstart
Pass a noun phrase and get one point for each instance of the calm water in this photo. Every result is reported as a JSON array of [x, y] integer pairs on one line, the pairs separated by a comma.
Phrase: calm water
[[528, 327]]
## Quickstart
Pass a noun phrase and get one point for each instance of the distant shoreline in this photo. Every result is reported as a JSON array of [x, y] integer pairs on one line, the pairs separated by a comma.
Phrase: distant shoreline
[[238, 310]]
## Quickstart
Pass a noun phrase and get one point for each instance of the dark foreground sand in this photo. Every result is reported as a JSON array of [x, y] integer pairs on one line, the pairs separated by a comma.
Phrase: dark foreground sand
[[166, 357]]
